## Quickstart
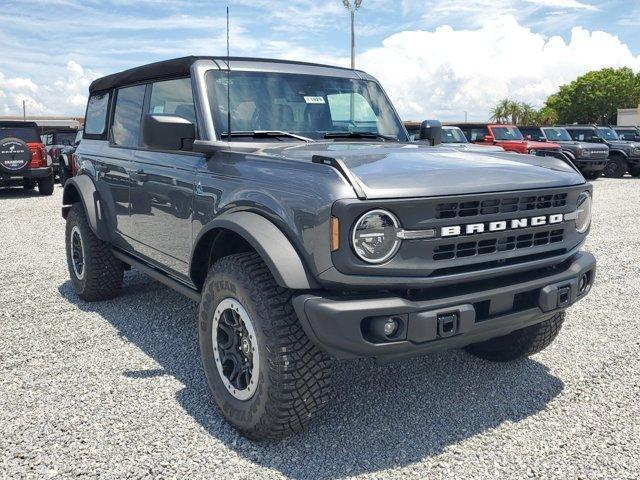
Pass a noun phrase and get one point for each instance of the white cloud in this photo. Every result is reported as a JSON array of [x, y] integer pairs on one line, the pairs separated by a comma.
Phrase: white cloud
[[564, 4], [444, 72]]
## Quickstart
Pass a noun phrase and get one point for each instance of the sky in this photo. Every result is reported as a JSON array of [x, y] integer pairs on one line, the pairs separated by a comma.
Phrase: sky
[[435, 58]]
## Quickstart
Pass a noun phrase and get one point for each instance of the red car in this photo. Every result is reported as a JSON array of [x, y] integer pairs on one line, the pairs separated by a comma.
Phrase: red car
[[23, 158], [505, 136]]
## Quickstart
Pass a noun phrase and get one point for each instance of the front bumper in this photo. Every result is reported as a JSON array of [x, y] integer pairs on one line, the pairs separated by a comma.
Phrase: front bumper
[[591, 165], [341, 325], [40, 172]]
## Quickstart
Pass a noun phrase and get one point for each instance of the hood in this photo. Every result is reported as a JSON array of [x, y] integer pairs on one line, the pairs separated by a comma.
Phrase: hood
[[471, 147], [623, 144], [533, 144], [582, 145], [391, 170]]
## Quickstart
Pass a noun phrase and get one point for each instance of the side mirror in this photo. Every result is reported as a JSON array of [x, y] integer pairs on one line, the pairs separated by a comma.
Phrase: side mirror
[[489, 139], [431, 130], [167, 132]]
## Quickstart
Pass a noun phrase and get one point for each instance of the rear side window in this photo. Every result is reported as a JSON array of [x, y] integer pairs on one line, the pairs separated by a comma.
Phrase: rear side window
[[477, 134], [25, 133], [125, 131], [173, 97], [96, 118]]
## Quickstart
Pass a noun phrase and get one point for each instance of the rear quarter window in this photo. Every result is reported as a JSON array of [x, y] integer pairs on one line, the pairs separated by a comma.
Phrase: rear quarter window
[[96, 117], [25, 133]]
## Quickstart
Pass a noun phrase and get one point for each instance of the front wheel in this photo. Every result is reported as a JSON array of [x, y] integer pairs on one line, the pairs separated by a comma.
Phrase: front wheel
[[616, 167], [266, 376], [521, 343]]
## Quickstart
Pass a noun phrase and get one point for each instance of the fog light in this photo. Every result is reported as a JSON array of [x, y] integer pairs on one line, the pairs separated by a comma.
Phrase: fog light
[[390, 327]]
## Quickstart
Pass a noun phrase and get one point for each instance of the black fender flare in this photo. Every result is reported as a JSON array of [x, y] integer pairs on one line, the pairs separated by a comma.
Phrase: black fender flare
[[270, 242], [65, 159], [615, 151], [569, 154], [82, 189]]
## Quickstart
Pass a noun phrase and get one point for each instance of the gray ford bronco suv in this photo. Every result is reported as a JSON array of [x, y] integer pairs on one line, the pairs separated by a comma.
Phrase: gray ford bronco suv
[[285, 198]]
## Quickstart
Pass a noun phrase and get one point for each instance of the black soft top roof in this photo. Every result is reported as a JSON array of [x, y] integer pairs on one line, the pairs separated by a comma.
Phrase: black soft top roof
[[16, 123], [174, 68]]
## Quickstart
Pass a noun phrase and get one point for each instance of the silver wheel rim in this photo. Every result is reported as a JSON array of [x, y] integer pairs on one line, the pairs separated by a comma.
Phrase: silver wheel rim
[[235, 349], [76, 247]]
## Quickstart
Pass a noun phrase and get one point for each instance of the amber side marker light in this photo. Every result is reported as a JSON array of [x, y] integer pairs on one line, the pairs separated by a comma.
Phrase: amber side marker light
[[335, 234]]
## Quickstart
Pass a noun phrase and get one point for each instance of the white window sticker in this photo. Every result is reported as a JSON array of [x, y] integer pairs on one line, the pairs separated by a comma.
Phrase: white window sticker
[[314, 99]]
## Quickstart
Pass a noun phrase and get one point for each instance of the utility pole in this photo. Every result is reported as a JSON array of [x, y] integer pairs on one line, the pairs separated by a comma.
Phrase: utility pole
[[465, 116], [352, 11], [24, 110]]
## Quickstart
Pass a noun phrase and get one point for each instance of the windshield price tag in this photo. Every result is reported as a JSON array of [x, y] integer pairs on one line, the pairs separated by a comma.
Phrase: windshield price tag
[[314, 99]]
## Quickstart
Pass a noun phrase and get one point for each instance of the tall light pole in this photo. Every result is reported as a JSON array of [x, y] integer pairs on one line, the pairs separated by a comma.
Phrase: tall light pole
[[352, 10]]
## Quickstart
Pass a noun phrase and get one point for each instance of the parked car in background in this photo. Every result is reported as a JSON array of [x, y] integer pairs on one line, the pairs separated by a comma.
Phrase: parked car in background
[[62, 152], [624, 156], [505, 136], [629, 134], [451, 137], [23, 158], [590, 158], [313, 230], [56, 142]]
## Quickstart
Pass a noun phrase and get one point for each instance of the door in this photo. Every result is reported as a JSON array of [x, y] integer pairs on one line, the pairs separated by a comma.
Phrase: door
[[113, 168], [162, 185]]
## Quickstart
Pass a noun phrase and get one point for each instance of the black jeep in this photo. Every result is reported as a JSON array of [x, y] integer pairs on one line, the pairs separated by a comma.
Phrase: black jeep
[[590, 158], [624, 155], [23, 158], [285, 198]]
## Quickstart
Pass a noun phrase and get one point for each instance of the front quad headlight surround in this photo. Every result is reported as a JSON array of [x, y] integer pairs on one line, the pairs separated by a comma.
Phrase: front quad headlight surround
[[375, 236], [583, 212]]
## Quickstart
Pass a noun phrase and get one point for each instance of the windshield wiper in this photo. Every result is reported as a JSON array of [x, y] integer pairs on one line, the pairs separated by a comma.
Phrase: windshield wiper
[[360, 135], [265, 134]]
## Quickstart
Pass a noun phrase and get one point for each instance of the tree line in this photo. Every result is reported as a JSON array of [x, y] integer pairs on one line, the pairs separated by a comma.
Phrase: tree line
[[594, 97]]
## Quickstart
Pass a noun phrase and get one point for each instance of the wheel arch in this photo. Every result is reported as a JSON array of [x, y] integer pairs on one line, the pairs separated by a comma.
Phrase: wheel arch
[[245, 231], [81, 189], [617, 152]]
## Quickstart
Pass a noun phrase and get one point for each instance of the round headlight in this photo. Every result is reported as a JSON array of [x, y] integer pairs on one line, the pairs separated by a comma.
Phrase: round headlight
[[583, 219], [533, 151], [375, 236]]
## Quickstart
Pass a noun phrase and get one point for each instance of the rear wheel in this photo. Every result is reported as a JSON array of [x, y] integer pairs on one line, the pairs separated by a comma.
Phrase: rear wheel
[[45, 185], [266, 376], [521, 343], [95, 273], [616, 167]]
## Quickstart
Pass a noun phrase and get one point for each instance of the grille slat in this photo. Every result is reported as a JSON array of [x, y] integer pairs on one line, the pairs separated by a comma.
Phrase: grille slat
[[451, 251], [503, 205]]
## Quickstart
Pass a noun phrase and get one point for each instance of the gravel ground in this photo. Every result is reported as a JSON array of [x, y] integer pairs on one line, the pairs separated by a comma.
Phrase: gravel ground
[[115, 388]]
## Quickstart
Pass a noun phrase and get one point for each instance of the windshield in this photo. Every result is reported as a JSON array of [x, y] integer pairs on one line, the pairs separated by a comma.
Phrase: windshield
[[557, 134], [306, 105], [27, 134], [608, 133], [506, 133], [64, 138], [453, 135]]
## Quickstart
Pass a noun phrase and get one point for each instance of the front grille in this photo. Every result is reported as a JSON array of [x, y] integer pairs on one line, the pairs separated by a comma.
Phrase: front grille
[[502, 205], [452, 251]]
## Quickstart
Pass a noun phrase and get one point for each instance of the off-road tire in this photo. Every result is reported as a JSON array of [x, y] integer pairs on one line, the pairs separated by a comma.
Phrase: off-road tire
[[616, 167], [63, 173], [45, 186], [103, 272], [635, 172], [593, 175], [294, 375], [521, 343]]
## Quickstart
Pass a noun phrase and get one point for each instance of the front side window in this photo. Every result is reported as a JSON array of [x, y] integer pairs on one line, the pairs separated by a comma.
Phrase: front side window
[[608, 133], [557, 135], [96, 118], [583, 135], [478, 134], [506, 133], [312, 106], [533, 133], [125, 131], [453, 135], [173, 97]]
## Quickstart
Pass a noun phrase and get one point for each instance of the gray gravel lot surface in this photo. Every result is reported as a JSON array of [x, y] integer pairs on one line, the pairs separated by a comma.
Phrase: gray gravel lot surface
[[115, 388]]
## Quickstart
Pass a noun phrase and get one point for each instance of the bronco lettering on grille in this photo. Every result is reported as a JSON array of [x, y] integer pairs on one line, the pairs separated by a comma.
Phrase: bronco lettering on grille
[[513, 224]]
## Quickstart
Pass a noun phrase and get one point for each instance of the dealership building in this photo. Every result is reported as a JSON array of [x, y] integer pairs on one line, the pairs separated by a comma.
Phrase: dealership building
[[629, 117], [48, 123]]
